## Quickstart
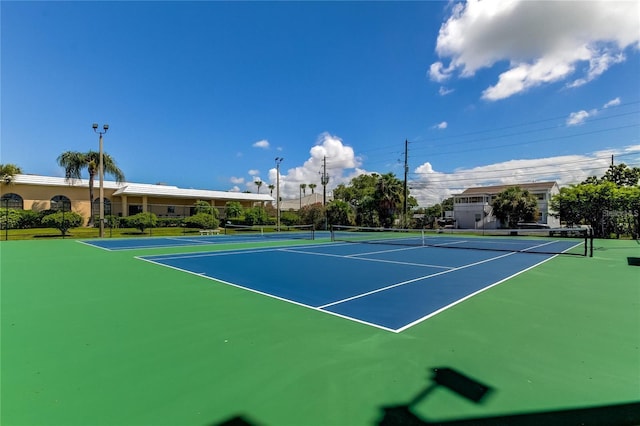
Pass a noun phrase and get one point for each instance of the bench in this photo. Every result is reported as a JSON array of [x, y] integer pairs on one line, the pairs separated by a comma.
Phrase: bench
[[209, 231]]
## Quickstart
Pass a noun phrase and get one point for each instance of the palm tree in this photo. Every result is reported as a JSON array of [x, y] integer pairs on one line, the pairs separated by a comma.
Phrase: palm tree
[[303, 186], [8, 173], [388, 196], [312, 186], [74, 162], [271, 188]]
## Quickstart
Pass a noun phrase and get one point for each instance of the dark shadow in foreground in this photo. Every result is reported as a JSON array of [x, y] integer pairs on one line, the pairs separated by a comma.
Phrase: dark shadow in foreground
[[611, 415]]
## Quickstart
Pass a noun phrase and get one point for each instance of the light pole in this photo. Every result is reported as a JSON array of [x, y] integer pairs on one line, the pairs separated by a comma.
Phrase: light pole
[[101, 173], [278, 161]]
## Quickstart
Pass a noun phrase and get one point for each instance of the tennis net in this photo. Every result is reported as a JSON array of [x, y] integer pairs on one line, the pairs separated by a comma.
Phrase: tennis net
[[574, 241], [305, 232]]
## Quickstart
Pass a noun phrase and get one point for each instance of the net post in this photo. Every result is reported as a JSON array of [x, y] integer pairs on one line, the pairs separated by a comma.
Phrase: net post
[[331, 233]]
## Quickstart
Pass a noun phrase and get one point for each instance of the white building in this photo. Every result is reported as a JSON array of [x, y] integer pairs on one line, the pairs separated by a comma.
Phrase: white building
[[473, 208]]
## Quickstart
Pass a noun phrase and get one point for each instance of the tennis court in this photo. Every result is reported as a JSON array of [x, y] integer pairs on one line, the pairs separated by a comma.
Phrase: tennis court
[[382, 285], [314, 332], [238, 234]]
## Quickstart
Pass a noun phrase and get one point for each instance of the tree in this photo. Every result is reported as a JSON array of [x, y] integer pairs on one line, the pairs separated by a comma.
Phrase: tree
[[389, 198], [312, 186], [622, 175], [202, 221], [142, 221], [255, 216], [303, 186], [8, 173], [514, 205], [203, 207], [63, 221], [271, 188], [258, 184], [313, 214], [9, 218], [610, 204], [75, 162], [340, 213], [233, 209]]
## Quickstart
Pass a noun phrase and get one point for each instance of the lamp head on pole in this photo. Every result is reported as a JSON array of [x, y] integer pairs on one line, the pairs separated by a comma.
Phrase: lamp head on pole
[[104, 128]]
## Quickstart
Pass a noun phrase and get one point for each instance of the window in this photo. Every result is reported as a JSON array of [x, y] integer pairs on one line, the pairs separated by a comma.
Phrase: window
[[12, 201], [60, 202], [134, 209], [171, 209], [107, 206]]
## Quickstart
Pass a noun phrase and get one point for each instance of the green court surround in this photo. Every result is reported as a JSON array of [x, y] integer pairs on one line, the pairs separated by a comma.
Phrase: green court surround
[[91, 337]]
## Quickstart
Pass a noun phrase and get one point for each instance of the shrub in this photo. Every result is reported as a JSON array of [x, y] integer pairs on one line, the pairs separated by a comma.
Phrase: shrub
[[202, 221], [29, 219], [313, 214], [142, 221], [289, 218], [63, 221], [170, 222], [256, 216], [9, 218]]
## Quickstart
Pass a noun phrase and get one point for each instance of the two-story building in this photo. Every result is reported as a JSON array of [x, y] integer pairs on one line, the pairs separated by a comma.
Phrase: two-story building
[[473, 208]]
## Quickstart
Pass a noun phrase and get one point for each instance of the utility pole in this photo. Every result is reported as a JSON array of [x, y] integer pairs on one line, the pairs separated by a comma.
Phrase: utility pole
[[324, 180], [406, 170], [278, 161]]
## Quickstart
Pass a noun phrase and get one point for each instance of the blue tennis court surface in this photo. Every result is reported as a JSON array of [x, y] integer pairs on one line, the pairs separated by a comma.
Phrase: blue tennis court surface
[[385, 286]]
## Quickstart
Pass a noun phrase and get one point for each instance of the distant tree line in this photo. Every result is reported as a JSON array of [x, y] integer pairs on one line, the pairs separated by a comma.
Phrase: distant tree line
[[610, 204]]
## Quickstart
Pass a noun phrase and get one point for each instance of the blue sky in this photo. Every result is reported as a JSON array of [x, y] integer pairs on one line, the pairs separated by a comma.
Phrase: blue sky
[[207, 94]]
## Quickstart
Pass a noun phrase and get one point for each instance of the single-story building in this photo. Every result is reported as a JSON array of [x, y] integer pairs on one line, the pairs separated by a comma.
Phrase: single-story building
[[34, 192], [473, 208]]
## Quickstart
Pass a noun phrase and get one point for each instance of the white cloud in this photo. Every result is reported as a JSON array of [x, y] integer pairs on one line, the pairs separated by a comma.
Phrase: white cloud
[[438, 73], [234, 189], [542, 42], [431, 186], [236, 180], [612, 102], [576, 118], [264, 144], [253, 172], [442, 125], [443, 91], [341, 161]]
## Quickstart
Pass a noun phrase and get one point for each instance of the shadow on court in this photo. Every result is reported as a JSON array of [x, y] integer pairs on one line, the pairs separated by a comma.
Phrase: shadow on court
[[472, 390]]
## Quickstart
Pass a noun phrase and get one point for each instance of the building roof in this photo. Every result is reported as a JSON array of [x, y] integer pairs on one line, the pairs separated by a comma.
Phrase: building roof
[[142, 189], [531, 187], [307, 200]]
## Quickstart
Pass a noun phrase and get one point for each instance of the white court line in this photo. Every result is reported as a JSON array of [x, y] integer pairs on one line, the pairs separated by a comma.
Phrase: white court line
[[365, 259], [93, 245], [219, 253], [426, 317], [384, 251], [358, 296], [201, 274]]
